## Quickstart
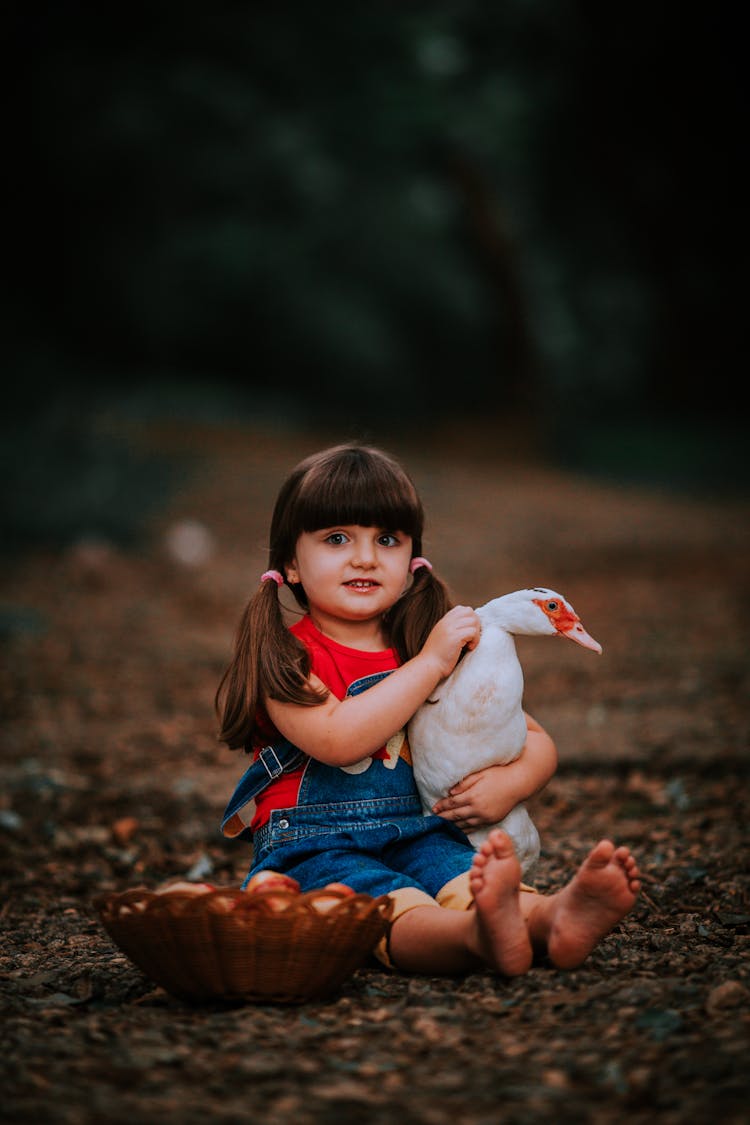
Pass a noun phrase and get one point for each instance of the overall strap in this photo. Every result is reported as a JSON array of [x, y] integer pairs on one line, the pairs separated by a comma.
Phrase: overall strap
[[271, 762]]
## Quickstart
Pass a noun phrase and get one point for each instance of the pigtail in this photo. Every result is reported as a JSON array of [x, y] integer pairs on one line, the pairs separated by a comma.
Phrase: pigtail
[[417, 612], [268, 660]]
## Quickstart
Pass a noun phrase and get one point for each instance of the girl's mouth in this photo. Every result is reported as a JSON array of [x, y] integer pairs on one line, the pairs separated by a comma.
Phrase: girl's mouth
[[362, 584]]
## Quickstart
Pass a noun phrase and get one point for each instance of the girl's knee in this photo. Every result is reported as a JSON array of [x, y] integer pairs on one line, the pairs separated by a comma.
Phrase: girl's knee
[[403, 899]]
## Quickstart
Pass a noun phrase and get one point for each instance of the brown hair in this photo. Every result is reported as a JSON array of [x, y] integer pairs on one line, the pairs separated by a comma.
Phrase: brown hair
[[347, 484]]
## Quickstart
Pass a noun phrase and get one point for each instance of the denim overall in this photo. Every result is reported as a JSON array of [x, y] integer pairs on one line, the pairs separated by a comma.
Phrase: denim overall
[[361, 825]]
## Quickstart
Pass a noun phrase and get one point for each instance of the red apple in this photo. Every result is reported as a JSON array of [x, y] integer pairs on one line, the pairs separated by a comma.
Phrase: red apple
[[186, 888], [340, 887], [223, 904], [338, 892], [272, 881], [275, 900], [136, 907]]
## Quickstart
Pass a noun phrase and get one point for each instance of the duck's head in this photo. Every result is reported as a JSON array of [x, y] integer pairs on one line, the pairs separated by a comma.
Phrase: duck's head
[[563, 617], [537, 612]]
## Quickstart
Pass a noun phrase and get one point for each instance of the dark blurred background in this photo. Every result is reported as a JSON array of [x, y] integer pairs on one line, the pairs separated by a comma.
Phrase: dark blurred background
[[381, 218]]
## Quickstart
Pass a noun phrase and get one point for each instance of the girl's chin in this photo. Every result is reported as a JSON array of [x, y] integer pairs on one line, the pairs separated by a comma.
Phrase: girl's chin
[[354, 610], [362, 610]]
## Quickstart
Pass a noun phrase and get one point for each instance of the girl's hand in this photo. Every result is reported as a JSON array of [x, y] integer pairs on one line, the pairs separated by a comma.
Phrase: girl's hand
[[481, 799], [460, 628], [488, 795]]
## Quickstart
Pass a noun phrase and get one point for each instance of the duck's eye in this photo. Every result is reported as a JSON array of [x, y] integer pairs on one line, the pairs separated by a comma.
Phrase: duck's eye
[[552, 606]]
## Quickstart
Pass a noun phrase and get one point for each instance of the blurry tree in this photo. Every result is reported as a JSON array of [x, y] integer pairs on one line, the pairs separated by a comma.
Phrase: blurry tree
[[452, 206]]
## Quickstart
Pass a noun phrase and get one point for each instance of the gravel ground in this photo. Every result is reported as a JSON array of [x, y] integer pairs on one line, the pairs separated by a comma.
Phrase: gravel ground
[[112, 778]]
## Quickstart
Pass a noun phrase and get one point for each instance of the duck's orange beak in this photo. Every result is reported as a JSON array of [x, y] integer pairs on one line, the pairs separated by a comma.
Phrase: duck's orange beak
[[577, 633]]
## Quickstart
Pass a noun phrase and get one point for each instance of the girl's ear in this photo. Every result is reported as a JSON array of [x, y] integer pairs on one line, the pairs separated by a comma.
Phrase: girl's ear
[[292, 574]]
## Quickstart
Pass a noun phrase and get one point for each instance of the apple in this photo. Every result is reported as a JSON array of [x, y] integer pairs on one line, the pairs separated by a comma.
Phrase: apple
[[340, 887], [223, 904], [136, 907], [186, 888], [338, 892], [275, 900], [272, 881]]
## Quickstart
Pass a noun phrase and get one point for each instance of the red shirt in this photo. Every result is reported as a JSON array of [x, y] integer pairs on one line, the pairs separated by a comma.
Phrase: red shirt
[[338, 667]]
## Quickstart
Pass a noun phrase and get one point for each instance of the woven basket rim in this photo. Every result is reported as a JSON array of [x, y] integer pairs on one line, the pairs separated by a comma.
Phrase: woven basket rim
[[143, 901], [228, 944]]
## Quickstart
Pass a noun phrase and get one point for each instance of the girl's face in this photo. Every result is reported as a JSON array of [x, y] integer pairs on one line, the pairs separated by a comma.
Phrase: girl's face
[[351, 573]]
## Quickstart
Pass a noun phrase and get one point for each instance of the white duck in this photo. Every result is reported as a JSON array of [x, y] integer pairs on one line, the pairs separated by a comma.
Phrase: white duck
[[475, 718]]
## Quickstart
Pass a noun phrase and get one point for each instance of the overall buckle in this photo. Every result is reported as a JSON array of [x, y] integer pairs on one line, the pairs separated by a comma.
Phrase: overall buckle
[[271, 763]]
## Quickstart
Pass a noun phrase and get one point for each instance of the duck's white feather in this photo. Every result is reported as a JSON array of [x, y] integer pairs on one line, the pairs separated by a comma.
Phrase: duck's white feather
[[475, 719]]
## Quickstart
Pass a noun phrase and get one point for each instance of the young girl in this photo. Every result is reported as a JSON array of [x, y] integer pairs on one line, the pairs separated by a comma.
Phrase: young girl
[[322, 707]]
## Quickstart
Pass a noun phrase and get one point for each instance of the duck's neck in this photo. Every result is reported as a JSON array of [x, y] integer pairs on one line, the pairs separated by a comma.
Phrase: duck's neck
[[497, 657], [498, 640], [494, 668]]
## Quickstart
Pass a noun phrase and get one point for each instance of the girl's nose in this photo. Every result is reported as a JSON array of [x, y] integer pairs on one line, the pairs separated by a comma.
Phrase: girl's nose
[[364, 553]]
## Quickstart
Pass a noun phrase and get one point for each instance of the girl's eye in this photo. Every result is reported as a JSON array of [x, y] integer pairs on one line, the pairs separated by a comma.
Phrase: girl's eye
[[388, 540], [336, 538]]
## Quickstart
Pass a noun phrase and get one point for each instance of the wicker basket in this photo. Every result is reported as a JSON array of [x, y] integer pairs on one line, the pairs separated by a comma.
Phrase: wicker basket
[[224, 944]]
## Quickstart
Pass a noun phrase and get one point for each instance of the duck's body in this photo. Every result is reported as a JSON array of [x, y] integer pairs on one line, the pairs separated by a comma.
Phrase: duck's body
[[475, 718]]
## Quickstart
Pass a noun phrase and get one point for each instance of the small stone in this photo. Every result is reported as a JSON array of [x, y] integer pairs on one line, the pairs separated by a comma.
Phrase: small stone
[[557, 1079], [124, 829], [730, 994], [201, 869]]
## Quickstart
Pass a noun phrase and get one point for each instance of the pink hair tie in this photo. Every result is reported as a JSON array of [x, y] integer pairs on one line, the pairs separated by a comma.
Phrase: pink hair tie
[[419, 561], [273, 576]]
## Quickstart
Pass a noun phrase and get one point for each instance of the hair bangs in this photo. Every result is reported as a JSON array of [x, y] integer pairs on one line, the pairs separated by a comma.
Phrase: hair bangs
[[356, 485]]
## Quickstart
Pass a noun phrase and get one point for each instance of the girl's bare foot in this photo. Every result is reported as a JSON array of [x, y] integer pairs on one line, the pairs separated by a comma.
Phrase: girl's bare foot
[[582, 913], [502, 936]]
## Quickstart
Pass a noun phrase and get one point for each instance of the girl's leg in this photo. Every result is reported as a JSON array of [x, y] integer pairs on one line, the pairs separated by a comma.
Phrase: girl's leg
[[508, 925], [435, 940], [567, 925]]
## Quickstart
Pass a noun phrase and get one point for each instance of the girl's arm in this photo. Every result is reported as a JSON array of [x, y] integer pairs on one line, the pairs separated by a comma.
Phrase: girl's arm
[[488, 795], [341, 732]]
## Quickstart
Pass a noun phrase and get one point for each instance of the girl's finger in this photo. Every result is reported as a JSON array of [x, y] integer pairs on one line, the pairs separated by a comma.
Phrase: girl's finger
[[448, 804], [455, 812], [464, 825], [462, 786]]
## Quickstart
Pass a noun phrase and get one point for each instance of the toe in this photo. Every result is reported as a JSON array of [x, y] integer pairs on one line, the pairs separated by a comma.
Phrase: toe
[[501, 844], [479, 860], [602, 853]]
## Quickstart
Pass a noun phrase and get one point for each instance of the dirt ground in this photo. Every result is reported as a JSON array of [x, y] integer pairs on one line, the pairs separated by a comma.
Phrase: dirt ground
[[112, 778]]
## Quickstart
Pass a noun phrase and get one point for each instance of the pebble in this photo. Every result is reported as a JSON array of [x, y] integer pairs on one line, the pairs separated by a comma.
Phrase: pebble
[[730, 994]]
